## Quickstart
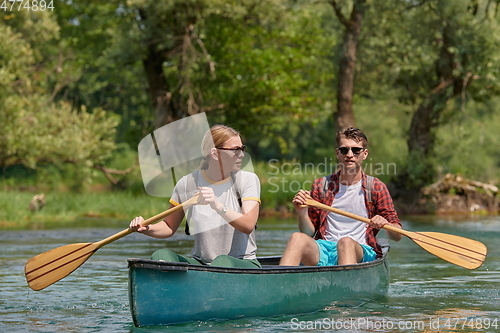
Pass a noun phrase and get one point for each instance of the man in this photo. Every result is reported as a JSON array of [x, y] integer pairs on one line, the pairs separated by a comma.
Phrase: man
[[339, 240]]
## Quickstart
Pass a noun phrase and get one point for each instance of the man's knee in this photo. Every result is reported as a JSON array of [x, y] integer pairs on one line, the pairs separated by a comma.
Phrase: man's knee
[[299, 238], [346, 243], [346, 246]]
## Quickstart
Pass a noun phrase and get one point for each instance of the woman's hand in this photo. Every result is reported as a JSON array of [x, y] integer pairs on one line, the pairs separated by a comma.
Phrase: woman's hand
[[136, 225], [207, 197]]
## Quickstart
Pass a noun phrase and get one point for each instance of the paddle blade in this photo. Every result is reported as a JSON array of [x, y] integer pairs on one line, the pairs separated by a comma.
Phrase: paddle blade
[[49, 267], [461, 251]]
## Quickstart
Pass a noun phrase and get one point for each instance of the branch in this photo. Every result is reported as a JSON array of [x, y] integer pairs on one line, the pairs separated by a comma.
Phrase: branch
[[469, 77], [418, 4], [339, 14], [211, 108], [108, 172], [65, 81], [206, 54], [442, 86], [465, 84]]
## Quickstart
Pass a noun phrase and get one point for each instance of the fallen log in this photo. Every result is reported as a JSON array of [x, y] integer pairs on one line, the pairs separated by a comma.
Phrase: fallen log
[[454, 194]]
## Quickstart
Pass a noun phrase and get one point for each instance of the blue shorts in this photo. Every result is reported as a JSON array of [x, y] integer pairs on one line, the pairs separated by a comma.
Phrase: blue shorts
[[328, 255]]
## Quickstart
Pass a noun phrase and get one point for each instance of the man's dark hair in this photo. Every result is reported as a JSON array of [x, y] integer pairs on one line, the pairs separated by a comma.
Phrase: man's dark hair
[[353, 134]]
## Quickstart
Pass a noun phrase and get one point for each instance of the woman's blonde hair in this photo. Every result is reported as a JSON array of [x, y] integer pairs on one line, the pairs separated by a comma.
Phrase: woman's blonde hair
[[215, 138]]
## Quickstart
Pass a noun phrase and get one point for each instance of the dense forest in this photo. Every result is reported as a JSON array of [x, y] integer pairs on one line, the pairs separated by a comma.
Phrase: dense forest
[[83, 81]]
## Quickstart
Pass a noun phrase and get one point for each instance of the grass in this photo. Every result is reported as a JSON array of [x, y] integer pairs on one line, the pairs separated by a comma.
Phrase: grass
[[279, 183], [73, 192], [68, 207]]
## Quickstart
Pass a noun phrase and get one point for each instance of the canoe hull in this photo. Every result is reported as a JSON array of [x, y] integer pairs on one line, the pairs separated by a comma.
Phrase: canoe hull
[[164, 293]]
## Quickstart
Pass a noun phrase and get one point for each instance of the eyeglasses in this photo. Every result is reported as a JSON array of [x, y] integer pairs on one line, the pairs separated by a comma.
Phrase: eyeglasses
[[355, 150], [236, 150]]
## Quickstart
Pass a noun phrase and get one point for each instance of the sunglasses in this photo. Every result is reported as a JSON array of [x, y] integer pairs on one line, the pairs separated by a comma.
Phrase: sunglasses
[[236, 150], [355, 150]]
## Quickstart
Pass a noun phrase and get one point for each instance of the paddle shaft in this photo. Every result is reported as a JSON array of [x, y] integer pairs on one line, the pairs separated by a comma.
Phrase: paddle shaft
[[153, 219], [389, 227]]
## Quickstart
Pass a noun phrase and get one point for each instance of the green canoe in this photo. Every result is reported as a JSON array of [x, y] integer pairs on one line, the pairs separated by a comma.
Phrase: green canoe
[[163, 293]]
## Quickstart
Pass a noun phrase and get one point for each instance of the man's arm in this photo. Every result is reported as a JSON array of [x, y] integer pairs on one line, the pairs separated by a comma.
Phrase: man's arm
[[385, 213], [378, 222], [305, 224]]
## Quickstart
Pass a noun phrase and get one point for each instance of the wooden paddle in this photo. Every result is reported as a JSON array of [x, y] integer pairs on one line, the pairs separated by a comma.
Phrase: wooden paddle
[[49, 267], [458, 250]]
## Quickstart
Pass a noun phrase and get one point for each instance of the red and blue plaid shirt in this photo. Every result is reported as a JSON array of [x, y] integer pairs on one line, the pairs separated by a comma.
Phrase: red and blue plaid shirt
[[379, 203]]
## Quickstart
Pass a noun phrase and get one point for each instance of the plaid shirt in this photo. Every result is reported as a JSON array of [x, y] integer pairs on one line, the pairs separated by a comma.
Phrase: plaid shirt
[[380, 203]]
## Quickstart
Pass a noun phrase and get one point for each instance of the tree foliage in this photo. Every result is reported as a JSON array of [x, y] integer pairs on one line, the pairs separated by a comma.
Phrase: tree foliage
[[434, 52], [72, 79], [34, 128], [268, 82]]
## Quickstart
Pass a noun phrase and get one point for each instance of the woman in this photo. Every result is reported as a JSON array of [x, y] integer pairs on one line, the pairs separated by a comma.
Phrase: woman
[[223, 222]]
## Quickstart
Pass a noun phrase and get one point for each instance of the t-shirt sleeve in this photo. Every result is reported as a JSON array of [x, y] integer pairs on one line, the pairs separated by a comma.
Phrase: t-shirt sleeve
[[175, 199], [251, 187], [182, 192]]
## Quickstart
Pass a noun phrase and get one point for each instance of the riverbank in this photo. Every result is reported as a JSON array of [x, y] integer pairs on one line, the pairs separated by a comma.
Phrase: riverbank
[[65, 200], [450, 195], [67, 197], [68, 207]]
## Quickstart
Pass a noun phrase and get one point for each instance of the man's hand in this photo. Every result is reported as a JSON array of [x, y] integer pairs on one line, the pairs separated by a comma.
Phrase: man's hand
[[299, 201], [378, 222]]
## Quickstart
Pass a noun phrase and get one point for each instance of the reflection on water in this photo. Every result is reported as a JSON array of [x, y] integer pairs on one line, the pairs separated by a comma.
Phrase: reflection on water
[[424, 290]]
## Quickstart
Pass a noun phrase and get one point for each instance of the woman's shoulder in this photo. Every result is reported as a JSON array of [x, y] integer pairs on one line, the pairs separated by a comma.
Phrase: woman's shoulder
[[190, 178], [247, 174]]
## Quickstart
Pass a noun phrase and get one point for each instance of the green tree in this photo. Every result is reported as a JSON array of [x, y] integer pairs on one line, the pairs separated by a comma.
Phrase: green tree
[[273, 75], [35, 129], [351, 19], [260, 66], [110, 73], [433, 53]]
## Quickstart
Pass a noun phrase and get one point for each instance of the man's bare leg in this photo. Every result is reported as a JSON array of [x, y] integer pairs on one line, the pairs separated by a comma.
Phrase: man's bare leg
[[349, 251], [301, 248]]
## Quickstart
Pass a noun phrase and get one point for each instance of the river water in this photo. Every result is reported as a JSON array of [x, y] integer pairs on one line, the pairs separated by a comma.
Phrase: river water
[[426, 294]]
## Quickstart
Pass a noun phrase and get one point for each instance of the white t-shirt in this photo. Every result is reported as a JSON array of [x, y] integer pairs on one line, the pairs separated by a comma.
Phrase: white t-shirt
[[350, 198], [213, 235]]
